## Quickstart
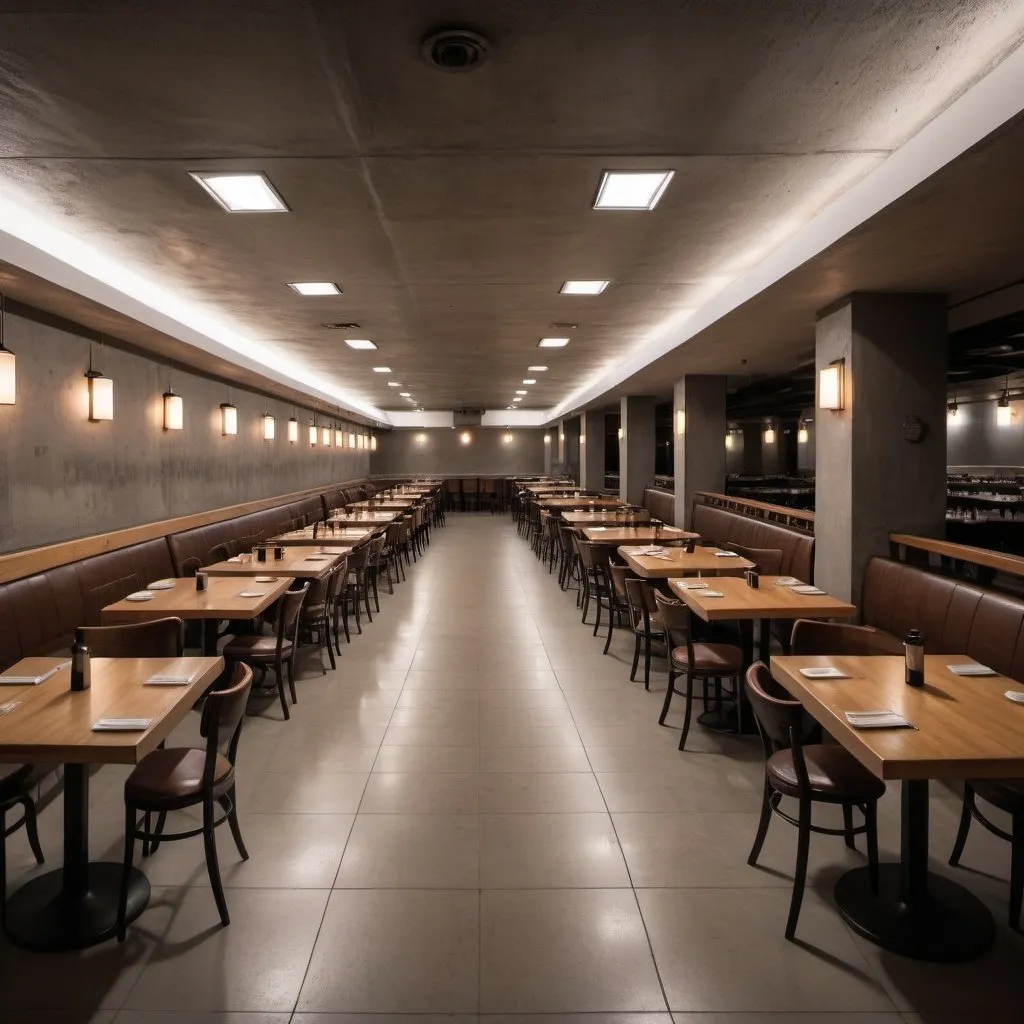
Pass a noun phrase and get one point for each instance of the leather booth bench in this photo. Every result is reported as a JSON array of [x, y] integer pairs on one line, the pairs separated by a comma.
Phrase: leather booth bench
[[661, 505]]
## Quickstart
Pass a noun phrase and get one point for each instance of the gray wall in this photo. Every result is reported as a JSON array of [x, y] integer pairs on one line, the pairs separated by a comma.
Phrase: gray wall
[[63, 477], [973, 439], [440, 451]]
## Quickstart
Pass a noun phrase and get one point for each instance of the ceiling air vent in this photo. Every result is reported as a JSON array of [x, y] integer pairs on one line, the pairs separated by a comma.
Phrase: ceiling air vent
[[564, 327], [339, 326], [455, 49]]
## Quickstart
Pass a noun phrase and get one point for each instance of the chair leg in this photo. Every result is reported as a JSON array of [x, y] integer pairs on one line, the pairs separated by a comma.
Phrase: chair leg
[[611, 626], [31, 831], [803, 844], [161, 821], [647, 663], [126, 871], [280, 691], [147, 827], [376, 596], [230, 804], [762, 825], [597, 620], [848, 826], [668, 697], [291, 677], [871, 821], [326, 627], [636, 657], [687, 714], [212, 865], [965, 825]]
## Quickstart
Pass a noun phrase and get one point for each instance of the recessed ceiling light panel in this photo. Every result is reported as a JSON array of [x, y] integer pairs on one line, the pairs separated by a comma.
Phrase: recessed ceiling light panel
[[583, 287], [529, 380], [405, 394], [631, 190], [522, 392], [536, 369], [314, 287], [552, 342], [382, 369], [241, 192], [394, 383], [360, 344]]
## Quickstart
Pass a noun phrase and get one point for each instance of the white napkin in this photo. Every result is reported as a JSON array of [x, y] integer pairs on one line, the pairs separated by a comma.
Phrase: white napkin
[[141, 595], [972, 669], [696, 585], [11, 705], [161, 585], [713, 593], [884, 719], [121, 724], [6, 680], [726, 554], [252, 593], [237, 558], [1016, 696], [168, 679], [807, 590], [788, 581], [824, 672]]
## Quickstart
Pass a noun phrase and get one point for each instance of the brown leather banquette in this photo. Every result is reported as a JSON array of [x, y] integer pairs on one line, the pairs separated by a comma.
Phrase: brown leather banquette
[[955, 617], [661, 505]]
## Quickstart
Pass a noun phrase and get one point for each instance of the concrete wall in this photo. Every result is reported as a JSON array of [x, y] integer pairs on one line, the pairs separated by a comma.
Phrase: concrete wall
[[974, 439], [63, 477], [441, 451]]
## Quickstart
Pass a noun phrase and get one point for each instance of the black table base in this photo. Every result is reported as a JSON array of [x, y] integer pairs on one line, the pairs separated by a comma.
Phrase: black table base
[[41, 916], [949, 926]]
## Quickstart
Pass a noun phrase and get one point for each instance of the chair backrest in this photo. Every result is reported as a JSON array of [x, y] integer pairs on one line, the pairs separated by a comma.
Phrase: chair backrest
[[767, 560], [374, 549], [288, 609], [676, 617], [357, 557], [810, 637], [161, 638], [780, 719], [619, 574], [190, 566], [223, 715]]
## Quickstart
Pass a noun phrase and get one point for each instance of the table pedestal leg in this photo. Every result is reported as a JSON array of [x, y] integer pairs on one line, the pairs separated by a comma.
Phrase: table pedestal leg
[[75, 907], [915, 913]]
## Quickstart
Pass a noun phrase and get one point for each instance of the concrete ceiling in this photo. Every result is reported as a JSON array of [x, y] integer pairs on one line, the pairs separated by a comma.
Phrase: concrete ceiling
[[450, 207]]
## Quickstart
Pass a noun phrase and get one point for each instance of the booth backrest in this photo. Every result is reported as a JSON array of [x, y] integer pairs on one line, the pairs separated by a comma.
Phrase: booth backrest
[[955, 617], [721, 526], [661, 505]]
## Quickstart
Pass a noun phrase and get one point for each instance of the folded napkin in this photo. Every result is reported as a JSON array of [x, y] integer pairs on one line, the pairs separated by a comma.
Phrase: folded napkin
[[237, 558], [726, 554], [1015, 695], [824, 672], [695, 585], [713, 593], [169, 679], [140, 595], [807, 590], [972, 669], [884, 719], [788, 581], [252, 593], [7, 680], [11, 705], [161, 585], [121, 724]]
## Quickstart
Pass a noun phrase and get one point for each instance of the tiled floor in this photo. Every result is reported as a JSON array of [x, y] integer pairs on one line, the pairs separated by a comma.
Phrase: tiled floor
[[477, 815]]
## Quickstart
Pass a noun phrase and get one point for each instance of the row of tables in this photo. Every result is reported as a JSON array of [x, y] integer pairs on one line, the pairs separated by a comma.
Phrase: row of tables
[[43, 723], [961, 728]]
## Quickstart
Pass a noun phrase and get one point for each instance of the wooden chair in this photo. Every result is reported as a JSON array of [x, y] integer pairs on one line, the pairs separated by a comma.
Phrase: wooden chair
[[645, 622], [355, 588], [374, 549], [708, 662], [1008, 796], [809, 773], [595, 578], [318, 612], [173, 778], [810, 637], [17, 783], [276, 651], [161, 638]]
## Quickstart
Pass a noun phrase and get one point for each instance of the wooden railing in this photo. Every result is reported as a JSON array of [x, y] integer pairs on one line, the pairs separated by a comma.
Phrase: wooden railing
[[793, 518], [954, 559]]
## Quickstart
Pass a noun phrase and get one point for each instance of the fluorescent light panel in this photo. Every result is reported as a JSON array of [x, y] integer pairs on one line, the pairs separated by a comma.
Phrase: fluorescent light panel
[[314, 287], [521, 392], [394, 383], [360, 344], [583, 287], [536, 369], [243, 192], [529, 380], [631, 190], [405, 394], [552, 343], [382, 369]]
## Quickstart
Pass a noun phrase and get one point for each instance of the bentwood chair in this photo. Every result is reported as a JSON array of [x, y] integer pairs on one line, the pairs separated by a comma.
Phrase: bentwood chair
[[276, 652], [174, 778], [1008, 796], [810, 637], [809, 774], [17, 783], [317, 614], [161, 638], [645, 622], [708, 662], [595, 578]]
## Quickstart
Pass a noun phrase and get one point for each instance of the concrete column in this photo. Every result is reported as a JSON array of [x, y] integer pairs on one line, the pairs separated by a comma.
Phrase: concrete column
[[753, 439], [550, 446], [700, 448], [570, 443], [559, 442], [870, 480], [636, 448], [592, 451]]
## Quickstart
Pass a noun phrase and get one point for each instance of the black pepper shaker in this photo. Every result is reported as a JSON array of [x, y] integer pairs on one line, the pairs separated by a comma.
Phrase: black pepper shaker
[[913, 649], [81, 668]]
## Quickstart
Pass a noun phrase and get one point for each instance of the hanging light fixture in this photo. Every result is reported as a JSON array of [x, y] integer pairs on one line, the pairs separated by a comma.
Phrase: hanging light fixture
[[769, 434], [802, 433], [228, 417], [293, 429], [269, 427], [951, 409], [174, 409], [312, 432], [101, 393], [8, 364], [1004, 414], [373, 443], [325, 436]]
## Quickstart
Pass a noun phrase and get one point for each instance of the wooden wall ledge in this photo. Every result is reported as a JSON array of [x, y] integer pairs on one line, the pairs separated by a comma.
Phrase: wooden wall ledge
[[1010, 564]]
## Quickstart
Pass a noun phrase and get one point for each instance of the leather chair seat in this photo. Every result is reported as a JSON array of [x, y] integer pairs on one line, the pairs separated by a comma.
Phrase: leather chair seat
[[711, 659], [1006, 794], [834, 774], [256, 648], [171, 774]]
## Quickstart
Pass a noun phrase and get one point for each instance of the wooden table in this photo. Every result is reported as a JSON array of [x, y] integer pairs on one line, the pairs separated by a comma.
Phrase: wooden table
[[607, 516], [76, 906], [299, 562], [348, 534], [622, 534], [702, 562], [385, 505], [584, 504], [219, 601], [965, 728]]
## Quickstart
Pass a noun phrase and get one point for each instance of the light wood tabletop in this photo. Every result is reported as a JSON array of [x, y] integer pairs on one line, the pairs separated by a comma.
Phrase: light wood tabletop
[[373, 519], [55, 725], [965, 727], [385, 504], [676, 562], [766, 601], [621, 534], [601, 516], [584, 504], [220, 600], [300, 562], [348, 534]]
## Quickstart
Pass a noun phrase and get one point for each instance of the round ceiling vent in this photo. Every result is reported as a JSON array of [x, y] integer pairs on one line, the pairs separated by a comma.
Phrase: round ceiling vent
[[455, 49]]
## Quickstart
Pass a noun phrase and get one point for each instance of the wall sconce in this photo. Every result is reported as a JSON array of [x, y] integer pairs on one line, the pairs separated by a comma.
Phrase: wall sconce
[[951, 410], [339, 437], [561, 437], [832, 386], [547, 438], [769, 434], [421, 439], [351, 439], [312, 433], [681, 422], [325, 436], [465, 437], [293, 430], [8, 365], [507, 438], [228, 419], [373, 443], [174, 411], [1004, 414], [101, 396], [802, 434], [269, 427], [621, 433], [729, 441]]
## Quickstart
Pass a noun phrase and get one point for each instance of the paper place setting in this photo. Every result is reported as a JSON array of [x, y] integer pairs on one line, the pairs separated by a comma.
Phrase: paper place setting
[[807, 590], [160, 585], [788, 581], [11, 705], [727, 554], [252, 593], [6, 680], [1017, 696], [141, 595], [884, 719], [265, 579], [713, 593], [237, 558], [695, 585], [972, 669], [169, 679], [121, 724], [824, 672]]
